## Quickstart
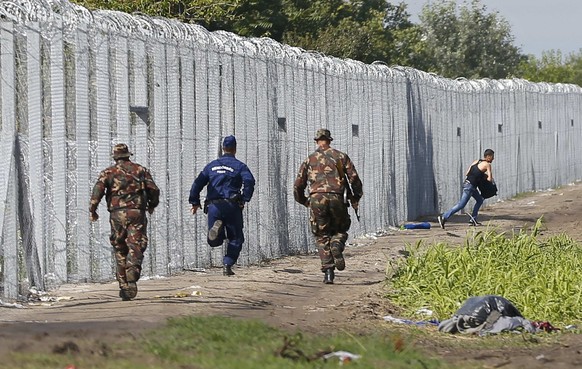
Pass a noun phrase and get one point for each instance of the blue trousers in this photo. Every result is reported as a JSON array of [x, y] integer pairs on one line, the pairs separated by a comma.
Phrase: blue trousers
[[231, 215], [468, 191]]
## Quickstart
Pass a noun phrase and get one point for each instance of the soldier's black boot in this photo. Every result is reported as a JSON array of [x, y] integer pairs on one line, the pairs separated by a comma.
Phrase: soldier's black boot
[[227, 270], [338, 256], [328, 276], [128, 292], [131, 291], [123, 295]]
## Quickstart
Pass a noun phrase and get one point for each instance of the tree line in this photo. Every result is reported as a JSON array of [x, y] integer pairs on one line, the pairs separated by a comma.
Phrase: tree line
[[450, 40]]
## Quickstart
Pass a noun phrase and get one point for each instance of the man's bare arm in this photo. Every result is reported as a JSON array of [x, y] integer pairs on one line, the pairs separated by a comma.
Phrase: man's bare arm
[[489, 172]]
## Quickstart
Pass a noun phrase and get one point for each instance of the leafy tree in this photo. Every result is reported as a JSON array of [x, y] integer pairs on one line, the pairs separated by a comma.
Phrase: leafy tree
[[154, 8], [553, 67], [336, 28], [549, 68], [471, 43], [365, 30], [251, 18], [576, 63], [409, 48]]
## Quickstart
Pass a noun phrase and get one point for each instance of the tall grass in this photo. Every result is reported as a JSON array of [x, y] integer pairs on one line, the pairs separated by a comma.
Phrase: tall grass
[[541, 277]]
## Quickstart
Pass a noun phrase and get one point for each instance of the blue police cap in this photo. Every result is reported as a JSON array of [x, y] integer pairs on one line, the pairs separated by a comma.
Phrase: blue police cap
[[229, 142]]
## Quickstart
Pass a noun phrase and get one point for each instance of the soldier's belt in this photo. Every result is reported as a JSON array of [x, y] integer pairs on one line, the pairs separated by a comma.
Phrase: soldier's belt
[[221, 201], [126, 208], [326, 193]]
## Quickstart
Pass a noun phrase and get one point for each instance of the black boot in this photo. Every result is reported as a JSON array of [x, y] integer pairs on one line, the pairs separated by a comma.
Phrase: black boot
[[128, 292], [123, 295], [227, 270], [338, 256], [329, 276]]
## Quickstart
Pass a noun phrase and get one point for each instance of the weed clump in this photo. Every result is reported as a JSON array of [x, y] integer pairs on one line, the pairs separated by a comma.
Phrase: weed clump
[[541, 277]]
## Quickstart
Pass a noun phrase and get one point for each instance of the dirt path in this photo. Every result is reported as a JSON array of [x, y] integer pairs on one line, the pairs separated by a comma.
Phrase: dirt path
[[287, 293]]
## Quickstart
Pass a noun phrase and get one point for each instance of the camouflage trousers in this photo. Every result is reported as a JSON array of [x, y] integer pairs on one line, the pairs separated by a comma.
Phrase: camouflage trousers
[[129, 240], [330, 223]]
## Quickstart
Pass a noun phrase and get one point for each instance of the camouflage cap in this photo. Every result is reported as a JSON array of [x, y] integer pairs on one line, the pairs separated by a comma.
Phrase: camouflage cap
[[323, 133], [121, 151]]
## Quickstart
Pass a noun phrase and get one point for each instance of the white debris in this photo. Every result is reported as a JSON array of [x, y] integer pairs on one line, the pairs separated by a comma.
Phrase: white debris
[[152, 277], [343, 356], [9, 305], [425, 311]]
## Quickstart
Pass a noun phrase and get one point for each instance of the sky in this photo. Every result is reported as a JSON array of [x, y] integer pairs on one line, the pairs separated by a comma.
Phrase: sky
[[537, 25]]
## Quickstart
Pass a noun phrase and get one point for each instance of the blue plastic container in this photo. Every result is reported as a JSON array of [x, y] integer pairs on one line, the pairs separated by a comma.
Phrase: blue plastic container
[[422, 225]]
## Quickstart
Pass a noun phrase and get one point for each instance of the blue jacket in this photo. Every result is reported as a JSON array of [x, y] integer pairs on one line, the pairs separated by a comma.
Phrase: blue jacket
[[225, 177]]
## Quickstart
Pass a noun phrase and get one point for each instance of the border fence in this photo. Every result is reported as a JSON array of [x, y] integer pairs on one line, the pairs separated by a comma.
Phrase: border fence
[[75, 82]]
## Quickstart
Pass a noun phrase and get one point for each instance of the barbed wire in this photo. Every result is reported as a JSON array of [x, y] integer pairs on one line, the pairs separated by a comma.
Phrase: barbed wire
[[93, 52], [62, 13]]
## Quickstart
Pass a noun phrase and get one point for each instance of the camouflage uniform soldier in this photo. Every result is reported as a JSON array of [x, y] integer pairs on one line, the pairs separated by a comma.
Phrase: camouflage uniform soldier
[[326, 171], [130, 191]]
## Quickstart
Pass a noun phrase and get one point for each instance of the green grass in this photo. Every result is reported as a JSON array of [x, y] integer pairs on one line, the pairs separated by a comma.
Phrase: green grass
[[218, 342], [541, 277], [226, 343]]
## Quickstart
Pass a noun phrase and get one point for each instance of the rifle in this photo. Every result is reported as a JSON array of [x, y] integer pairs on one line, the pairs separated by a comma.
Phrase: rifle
[[348, 191], [349, 197]]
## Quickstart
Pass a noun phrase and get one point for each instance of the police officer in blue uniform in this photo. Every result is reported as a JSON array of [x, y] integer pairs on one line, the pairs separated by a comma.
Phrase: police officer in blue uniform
[[230, 185]]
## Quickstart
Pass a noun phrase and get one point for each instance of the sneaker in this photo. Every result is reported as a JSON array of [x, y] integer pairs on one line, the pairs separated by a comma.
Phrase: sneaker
[[338, 256], [472, 220], [329, 276], [442, 221], [227, 270], [474, 223], [215, 230]]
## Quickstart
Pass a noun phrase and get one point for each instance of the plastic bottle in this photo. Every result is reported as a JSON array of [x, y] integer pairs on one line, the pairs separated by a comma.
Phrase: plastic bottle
[[421, 225]]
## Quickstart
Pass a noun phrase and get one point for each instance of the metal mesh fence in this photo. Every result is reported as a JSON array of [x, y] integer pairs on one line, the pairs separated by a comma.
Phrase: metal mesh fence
[[75, 82]]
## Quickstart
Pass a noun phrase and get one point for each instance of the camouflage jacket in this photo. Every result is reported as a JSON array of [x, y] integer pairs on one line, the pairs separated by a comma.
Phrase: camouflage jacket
[[126, 185], [326, 171]]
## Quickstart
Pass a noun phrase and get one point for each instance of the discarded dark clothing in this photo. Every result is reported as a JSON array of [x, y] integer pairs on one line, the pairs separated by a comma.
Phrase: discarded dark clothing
[[486, 314]]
